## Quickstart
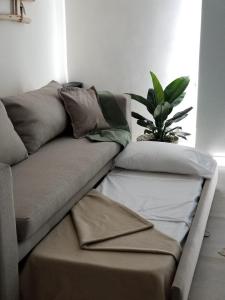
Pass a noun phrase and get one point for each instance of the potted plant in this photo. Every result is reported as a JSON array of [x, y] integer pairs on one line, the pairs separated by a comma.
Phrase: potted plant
[[160, 104]]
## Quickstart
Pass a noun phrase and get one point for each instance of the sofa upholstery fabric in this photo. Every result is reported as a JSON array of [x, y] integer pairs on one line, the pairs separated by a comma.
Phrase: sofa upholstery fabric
[[38, 116], [12, 149], [26, 245], [8, 243], [45, 182]]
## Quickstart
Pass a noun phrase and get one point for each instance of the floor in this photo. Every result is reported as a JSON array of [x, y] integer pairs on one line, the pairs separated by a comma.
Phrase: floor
[[209, 279]]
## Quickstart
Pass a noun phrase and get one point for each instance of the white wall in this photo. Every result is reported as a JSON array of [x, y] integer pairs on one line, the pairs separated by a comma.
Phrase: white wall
[[211, 105], [31, 55], [114, 44]]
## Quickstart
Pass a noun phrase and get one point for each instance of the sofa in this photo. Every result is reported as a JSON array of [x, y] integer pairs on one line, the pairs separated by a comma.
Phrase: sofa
[[40, 189]]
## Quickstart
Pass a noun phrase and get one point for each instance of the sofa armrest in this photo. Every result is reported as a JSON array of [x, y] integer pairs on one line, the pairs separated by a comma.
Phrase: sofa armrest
[[124, 102], [8, 238]]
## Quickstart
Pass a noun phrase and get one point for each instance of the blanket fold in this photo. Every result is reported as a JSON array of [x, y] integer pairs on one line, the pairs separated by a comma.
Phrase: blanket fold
[[119, 131], [103, 224], [102, 250]]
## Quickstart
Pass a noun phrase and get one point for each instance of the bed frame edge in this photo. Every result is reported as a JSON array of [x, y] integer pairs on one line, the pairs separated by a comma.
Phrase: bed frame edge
[[189, 258]]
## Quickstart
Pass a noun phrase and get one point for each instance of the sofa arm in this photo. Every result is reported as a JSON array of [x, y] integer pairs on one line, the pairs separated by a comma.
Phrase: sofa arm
[[8, 238], [124, 102]]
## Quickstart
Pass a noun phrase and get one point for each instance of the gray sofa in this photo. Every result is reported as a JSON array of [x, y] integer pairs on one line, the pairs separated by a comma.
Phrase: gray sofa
[[36, 193]]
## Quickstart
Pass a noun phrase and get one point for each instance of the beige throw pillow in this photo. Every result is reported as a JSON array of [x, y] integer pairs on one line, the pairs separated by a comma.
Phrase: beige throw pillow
[[12, 149], [38, 116], [84, 111]]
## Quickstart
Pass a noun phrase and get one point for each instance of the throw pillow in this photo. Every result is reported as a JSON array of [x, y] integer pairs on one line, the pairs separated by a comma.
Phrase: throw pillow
[[84, 111], [38, 116], [12, 149]]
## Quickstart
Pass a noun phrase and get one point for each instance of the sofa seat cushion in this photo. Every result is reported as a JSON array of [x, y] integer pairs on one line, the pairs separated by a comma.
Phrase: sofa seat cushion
[[52, 176]]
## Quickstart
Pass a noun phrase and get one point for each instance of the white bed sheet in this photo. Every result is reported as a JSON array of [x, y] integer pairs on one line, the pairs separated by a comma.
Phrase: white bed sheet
[[167, 200]]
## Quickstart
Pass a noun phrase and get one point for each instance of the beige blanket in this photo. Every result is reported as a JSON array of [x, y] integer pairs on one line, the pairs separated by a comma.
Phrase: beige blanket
[[102, 251]]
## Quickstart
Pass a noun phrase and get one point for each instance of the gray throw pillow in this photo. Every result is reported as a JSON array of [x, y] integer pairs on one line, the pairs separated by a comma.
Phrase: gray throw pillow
[[38, 116], [84, 111], [12, 149]]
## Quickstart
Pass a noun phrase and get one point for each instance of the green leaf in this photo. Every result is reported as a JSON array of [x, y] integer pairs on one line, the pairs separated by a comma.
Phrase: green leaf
[[169, 123], [137, 116], [183, 112], [146, 122], [157, 89], [176, 88], [184, 133], [160, 115], [178, 117], [151, 98], [158, 111], [172, 129], [142, 123], [183, 137], [151, 109], [162, 111], [151, 101], [151, 127], [138, 98], [178, 100], [147, 131], [167, 109]]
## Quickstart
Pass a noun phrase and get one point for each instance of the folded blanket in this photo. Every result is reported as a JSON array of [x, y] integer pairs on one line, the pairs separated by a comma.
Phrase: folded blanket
[[101, 251], [103, 224], [119, 131]]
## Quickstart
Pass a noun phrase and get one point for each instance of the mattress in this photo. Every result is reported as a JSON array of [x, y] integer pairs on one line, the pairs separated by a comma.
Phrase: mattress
[[123, 274], [167, 200]]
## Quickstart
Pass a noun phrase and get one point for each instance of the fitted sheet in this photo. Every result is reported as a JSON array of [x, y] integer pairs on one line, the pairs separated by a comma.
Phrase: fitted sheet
[[167, 200]]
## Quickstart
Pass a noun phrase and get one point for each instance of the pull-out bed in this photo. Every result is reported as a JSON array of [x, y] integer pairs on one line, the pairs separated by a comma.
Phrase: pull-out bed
[[136, 236]]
